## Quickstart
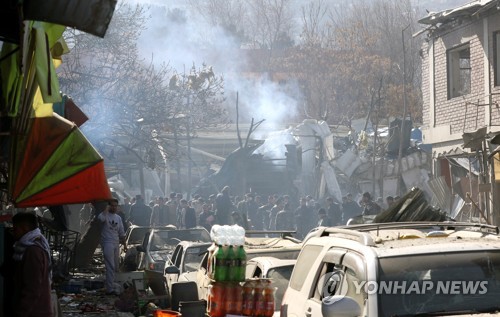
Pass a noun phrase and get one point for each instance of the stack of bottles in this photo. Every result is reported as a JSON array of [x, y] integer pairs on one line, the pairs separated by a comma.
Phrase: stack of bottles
[[254, 298], [229, 293]]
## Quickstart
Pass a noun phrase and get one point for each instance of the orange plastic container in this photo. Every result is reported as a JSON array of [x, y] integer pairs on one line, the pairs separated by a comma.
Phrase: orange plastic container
[[166, 313]]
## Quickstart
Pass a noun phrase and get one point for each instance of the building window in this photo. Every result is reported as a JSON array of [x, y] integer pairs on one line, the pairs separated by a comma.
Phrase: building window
[[496, 57], [459, 71]]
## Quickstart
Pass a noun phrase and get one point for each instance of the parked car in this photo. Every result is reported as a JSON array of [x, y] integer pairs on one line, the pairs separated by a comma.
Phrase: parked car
[[285, 248], [397, 269], [134, 236], [185, 258], [158, 246], [278, 270]]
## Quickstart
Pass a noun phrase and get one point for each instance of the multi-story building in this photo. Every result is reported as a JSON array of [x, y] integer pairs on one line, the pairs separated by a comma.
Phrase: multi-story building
[[461, 110]]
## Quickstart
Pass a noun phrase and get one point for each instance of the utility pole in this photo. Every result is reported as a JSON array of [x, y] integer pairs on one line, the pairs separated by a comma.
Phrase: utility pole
[[188, 132], [401, 135]]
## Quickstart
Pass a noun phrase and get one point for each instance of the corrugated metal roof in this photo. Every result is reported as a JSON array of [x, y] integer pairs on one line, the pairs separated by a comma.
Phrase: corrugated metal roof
[[466, 10], [456, 152], [441, 192]]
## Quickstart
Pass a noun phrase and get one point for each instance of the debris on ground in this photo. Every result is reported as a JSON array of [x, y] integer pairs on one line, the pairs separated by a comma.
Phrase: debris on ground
[[411, 207]]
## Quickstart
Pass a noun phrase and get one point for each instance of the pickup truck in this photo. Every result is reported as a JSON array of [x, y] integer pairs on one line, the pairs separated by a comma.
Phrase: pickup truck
[[397, 269]]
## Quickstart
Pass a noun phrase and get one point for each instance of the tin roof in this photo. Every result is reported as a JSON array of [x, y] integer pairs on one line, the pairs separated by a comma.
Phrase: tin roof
[[466, 10]]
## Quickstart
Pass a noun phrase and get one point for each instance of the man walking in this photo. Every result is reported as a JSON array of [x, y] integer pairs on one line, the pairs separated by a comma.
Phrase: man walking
[[112, 234]]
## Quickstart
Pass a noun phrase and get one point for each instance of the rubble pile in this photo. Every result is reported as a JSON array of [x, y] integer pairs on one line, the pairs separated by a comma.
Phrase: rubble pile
[[85, 295]]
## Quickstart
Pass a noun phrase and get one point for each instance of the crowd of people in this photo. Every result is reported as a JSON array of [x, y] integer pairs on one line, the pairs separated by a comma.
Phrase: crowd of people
[[32, 255], [251, 211]]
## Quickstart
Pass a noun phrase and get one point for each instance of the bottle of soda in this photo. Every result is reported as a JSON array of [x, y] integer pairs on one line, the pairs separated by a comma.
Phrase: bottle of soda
[[258, 299], [248, 298], [241, 264], [231, 264], [269, 299], [238, 299], [221, 270], [229, 304], [216, 299]]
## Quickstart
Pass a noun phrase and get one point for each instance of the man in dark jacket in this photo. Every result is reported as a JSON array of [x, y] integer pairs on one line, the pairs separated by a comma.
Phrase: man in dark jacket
[[370, 207], [249, 209], [285, 219], [188, 215], [224, 206], [206, 217], [333, 211], [32, 272], [350, 209], [305, 218], [264, 212], [324, 219], [140, 213]]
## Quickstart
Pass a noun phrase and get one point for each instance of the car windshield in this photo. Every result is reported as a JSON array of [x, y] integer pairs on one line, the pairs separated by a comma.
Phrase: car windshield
[[280, 277], [137, 235], [445, 282], [168, 239], [193, 257]]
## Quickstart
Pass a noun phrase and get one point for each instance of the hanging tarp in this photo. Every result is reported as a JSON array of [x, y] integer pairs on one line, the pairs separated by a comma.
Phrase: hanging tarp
[[90, 16], [58, 166], [31, 71]]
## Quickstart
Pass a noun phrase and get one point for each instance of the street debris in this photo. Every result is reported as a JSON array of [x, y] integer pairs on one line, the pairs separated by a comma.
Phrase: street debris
[[411, 207]]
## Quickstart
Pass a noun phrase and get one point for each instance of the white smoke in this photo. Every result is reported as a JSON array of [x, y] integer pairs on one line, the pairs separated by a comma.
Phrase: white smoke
[[193, 42]]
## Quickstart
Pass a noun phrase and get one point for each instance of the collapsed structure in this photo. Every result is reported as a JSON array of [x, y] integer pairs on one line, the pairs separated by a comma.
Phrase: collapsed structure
[[313, 159]]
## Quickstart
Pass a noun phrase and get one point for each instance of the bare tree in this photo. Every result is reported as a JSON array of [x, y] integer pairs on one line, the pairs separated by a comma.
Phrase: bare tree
[[230, 15], [378, 27], [314, 29], [272, 22], [346, 51], [135, 106]]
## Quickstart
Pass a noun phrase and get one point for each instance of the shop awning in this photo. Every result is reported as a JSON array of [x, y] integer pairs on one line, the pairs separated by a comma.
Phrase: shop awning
[[54, 165]]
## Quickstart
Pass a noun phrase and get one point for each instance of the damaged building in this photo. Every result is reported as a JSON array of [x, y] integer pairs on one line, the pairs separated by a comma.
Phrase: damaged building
[[461, 112], [312, 158]]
